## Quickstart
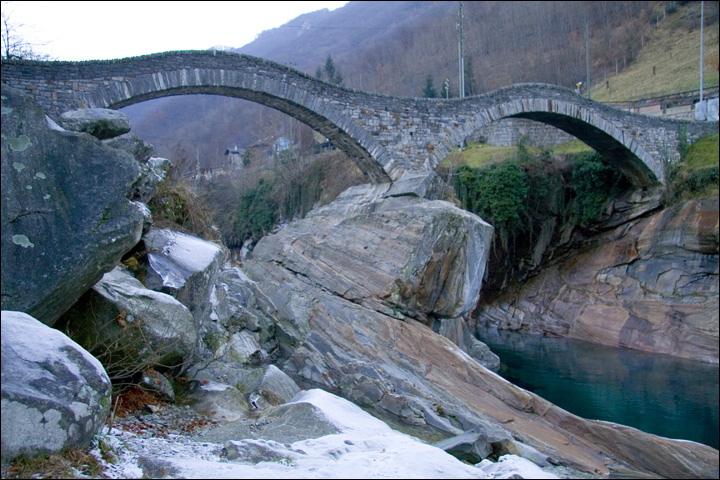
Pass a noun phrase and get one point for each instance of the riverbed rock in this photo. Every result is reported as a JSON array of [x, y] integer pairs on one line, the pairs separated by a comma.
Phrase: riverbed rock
[[66, 217], [649, 285], [458, 332], [470, 446], [219, 401], [129, 327], [101, 123], [184, 266], [54, 393]]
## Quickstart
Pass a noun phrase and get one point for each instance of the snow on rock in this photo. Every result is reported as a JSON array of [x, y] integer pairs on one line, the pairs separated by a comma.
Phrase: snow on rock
[[365, 448], [54, 393], [509, 465]]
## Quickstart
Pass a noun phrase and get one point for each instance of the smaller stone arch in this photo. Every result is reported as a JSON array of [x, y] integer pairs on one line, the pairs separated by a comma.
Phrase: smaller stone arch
[[597, 125]]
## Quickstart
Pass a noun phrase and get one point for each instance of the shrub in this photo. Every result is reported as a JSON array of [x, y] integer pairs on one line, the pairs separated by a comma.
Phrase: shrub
[[595, 184], [497, 193], [177, 205], [256, 212]]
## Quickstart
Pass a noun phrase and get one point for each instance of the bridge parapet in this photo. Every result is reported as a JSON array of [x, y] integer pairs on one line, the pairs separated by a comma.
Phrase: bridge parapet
[[386, 136]]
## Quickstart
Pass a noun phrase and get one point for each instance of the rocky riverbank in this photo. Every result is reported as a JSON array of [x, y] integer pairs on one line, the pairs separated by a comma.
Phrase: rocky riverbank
[[351, 300]]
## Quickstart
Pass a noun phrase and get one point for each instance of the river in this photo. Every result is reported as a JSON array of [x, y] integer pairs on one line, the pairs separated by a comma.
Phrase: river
[[659, 394]]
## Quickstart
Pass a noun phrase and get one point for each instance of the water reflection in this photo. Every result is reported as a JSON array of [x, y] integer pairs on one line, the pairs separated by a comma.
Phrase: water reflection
[[658, 394]]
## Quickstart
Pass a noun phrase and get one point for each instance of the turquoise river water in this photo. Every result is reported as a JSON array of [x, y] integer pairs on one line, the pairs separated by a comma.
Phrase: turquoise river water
[[659, 394]]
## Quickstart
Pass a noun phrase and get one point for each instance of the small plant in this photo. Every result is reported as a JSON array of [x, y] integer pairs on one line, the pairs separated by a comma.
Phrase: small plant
[[177, 205]]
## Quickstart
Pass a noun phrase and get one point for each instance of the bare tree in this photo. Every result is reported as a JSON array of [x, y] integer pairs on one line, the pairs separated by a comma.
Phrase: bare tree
[[14, 45]]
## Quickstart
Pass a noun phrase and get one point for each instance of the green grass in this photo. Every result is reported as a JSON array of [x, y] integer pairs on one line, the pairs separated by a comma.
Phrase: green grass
[[573, 146], [477, 155], [673, 50], [703, 154], [697, 175]]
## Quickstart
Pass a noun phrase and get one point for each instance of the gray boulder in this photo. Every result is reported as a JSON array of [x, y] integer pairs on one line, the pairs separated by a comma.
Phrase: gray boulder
[[276, 387], [220, 401], [289, 423], [470, 446], [154, 382], [128, 327], [152, 173], [136, 146], [185, 267], [66, 218], [54, 393], [101, 123], [256, 451]]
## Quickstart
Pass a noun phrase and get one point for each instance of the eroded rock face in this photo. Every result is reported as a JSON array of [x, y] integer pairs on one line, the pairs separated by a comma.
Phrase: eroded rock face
[[650, 285], [66, 218], [350, 336], [54, 393]]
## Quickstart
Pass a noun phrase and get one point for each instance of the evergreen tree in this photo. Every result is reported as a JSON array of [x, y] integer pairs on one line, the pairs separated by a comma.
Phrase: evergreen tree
[[329, 70], [247, 156], [429, 91]]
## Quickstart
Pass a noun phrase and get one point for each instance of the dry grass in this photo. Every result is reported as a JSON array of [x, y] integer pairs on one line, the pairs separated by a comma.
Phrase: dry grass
[[70, 463], [670, 61]]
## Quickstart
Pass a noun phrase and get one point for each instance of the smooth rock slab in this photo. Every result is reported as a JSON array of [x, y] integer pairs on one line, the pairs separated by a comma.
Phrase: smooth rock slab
[[54, 393]]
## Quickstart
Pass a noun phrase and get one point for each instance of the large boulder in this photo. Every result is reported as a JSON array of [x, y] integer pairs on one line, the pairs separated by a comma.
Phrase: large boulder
[[101, 123], [651, 285], [129, 327], [66, 218], [185, 267], [54, 393], [390, 251]]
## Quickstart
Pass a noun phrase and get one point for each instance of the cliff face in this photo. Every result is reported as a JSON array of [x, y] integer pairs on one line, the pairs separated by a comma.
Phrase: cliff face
[[649, 284]]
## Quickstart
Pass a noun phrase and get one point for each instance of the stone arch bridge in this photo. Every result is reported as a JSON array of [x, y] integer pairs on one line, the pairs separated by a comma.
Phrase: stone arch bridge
[[386, 136]]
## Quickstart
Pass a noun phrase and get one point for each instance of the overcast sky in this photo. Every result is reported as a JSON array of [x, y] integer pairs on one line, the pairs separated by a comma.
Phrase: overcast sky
[[107, 30]]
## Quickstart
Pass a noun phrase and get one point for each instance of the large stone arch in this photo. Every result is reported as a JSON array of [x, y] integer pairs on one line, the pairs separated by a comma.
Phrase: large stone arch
[[118, 83], [341, 131]]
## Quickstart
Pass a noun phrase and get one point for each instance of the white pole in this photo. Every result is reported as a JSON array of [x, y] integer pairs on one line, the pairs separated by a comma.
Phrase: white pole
[[461, 62], [702, 23]]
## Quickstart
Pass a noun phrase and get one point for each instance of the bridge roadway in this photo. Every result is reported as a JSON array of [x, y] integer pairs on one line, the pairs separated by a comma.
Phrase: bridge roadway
[[386, 136]]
